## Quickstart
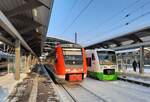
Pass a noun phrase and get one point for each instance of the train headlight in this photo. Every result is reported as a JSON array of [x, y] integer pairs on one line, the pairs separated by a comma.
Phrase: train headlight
[[67, 70], [82, 70]]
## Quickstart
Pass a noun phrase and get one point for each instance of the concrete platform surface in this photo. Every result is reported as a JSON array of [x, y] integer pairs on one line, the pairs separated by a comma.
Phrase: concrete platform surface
[[7, 83]]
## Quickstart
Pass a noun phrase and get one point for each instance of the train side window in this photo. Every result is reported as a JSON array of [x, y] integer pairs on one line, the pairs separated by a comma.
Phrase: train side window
[[93, 57], [88, 61]]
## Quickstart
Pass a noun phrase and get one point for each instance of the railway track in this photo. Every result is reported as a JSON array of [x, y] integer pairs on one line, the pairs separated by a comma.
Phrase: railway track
[[109, 91], [75, 92], [79, 93]]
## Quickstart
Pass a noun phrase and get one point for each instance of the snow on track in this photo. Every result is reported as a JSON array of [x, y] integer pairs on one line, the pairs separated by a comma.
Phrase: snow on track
[[82, 94], [118, 91]]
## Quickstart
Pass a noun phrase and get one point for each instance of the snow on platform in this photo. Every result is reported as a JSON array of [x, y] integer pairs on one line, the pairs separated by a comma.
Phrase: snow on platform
[[7, 83], [118, 91], [131, 75]]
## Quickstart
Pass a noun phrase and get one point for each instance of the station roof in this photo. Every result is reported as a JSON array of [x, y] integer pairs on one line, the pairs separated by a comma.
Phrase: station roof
[[137, 36], [51, 41], [30, 18]]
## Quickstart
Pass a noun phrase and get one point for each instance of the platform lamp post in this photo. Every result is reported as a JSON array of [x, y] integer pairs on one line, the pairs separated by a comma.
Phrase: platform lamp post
[[141, 69], [75, 37]]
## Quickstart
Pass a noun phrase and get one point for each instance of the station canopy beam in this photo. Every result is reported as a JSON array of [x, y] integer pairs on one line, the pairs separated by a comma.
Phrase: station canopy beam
[[132, 46], [31, 23], [5, 40], [139, 35], [29, 17], [30, 4], [5, 23], [118, 43], [134, 38], [50, 42]]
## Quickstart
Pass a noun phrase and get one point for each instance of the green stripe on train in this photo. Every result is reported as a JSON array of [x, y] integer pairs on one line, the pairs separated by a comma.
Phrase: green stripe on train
[[101, 76]]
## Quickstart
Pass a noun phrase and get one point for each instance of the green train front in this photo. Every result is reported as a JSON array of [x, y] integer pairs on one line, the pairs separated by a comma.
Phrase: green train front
[[102, 64]]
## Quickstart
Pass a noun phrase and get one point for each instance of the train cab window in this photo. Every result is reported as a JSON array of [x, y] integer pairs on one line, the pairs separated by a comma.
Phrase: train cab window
[[73, 56], [88, 61], [93, 57]]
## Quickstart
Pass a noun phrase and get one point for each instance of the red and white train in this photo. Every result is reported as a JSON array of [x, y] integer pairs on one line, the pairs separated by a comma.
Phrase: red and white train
[[69, 62]]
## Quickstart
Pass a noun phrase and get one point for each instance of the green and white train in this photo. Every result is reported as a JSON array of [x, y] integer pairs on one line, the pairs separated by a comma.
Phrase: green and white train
[[102, 64]]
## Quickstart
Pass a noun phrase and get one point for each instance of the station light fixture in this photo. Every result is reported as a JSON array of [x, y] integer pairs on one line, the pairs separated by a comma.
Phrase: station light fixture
[[37, 30], [1, 42], [35, 13]]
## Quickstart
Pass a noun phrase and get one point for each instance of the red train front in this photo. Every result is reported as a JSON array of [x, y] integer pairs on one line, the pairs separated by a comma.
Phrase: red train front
[[70, 62]]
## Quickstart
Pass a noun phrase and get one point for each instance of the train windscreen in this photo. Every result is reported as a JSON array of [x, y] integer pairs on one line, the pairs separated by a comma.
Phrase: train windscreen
[[73, 56], [106, 57]]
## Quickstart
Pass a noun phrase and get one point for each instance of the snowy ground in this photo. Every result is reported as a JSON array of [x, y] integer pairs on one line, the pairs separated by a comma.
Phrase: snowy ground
[[130, 74], [139, 79], [118, 91], [7, 83]]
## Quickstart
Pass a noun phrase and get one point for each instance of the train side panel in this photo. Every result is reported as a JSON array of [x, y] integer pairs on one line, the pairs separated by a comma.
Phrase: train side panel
[[84, 63], [59, 63]]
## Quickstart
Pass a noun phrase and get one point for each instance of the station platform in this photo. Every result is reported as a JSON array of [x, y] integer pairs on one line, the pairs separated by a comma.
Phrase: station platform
[[7, 84], [135, 77], [35, 86]]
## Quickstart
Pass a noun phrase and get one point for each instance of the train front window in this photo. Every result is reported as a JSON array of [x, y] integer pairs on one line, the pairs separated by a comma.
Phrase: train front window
[[106, 57], [73, 56]]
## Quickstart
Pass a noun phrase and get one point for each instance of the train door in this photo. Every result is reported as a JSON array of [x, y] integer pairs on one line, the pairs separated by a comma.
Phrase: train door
[[93, 62], [89, 63]]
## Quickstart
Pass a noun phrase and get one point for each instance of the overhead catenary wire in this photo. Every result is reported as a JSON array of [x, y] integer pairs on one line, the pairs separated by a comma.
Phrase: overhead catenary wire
[[112, 29], [114, 15], [135, 10], [125, 24], [121, 25], [138, 17], [71, 10], [80, 13]]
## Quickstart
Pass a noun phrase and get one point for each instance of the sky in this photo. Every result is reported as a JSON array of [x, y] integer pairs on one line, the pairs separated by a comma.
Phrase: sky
[[97, 20]]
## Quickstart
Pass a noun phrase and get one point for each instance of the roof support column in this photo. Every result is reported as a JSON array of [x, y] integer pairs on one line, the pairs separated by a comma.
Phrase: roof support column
[[33, 60], [141, 69], [29, 62], [9, 64], [26, 63], [17, 59]]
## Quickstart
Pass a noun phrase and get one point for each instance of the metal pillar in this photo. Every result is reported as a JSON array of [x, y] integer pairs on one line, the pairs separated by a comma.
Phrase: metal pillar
[[29, 62], [8, 64], [141, 69], [17, 59], [75, 38], [33, 60], [25, 65]]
